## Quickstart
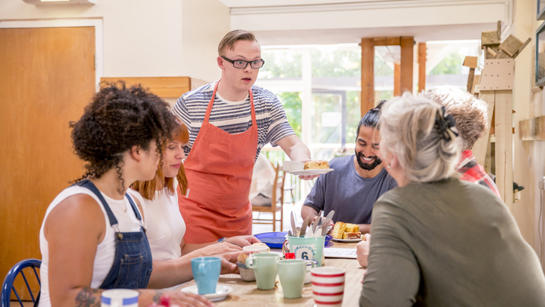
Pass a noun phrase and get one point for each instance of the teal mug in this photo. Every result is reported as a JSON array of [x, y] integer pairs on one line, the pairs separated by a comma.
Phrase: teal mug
[[291, 273], [265, 267], [206, 272]]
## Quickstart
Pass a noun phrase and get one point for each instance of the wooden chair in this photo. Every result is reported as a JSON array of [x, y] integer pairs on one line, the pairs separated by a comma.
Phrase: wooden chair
[[277, 201]]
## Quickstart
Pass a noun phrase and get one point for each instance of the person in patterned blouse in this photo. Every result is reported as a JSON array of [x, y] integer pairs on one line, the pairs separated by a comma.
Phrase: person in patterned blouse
[[470, 115]]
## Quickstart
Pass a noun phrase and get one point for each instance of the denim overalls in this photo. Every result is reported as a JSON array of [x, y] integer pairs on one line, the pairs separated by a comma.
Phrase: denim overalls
[[132, 264]]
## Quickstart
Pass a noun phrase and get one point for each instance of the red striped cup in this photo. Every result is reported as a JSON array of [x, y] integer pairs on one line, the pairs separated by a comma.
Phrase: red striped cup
[[327, 285]]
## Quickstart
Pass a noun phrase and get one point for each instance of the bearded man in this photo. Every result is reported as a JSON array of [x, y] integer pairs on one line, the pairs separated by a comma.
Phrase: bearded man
[[356, 182]]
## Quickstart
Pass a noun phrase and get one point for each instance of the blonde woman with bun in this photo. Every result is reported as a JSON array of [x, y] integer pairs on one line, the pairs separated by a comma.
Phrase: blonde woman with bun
[[437, 240]]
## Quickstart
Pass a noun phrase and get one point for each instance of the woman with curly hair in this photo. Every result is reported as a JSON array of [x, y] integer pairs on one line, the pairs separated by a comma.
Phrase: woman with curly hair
[[164, 224], [92, 236], [470, 115], [438, 240]]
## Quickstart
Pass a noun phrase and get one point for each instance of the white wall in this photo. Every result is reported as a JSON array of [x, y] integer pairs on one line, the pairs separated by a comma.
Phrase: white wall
[[142, 37], [205, 22], [528, 102]]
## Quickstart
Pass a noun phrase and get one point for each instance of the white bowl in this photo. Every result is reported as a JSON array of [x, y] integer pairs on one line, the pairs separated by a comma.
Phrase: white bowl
[[246, 274]]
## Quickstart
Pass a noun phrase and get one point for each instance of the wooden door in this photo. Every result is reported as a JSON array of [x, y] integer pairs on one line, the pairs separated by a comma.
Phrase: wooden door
[[47, 76]]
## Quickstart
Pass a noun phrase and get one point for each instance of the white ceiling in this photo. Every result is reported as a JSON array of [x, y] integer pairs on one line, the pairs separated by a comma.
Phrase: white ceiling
[[336, 36], [288, 22]]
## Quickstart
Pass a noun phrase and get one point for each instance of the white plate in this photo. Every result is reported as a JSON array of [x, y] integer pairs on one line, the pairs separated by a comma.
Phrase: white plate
[[333, 252], [310, 172], [222, 292], [346, 240]]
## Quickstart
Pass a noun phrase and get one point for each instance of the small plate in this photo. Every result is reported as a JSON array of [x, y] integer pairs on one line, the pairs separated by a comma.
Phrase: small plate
[[347, 240], [222, 292], [310, 172]]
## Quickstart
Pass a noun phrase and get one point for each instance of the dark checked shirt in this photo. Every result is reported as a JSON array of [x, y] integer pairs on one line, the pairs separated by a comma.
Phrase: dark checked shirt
[[472, 171]]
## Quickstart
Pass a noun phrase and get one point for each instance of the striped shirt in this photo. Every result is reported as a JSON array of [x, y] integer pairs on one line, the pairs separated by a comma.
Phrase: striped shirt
[[234, 117]]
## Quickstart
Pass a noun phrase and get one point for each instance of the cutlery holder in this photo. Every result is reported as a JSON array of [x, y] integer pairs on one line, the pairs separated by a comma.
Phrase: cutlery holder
[[311, 248]]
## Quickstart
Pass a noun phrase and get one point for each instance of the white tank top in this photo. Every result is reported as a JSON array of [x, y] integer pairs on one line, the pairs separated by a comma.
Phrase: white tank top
[[164, 224], [104, 256]]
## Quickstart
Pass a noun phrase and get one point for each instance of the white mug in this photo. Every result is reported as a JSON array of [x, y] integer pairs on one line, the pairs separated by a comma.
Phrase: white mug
[[327, 286], [119, 298]]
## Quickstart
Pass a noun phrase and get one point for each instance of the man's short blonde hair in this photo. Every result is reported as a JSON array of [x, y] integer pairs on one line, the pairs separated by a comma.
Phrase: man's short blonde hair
[[229, 40], [469, 112]]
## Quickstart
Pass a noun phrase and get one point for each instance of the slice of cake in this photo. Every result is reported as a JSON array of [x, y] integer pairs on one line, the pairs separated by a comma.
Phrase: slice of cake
[[257, 248], [316, 164], [338, 230], [352, 228]]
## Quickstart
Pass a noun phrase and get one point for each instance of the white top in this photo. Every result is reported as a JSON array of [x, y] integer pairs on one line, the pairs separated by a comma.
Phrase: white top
[[262, 178], [104, 256], [164, 224]]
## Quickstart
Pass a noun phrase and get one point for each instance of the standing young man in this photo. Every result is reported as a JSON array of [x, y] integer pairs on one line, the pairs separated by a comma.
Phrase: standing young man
[[229, 122]]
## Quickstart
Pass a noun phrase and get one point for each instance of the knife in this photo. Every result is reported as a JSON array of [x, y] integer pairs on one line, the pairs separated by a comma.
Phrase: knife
[[304, 227], [313, 225], [328, 218], [293, 226], [317, 231]]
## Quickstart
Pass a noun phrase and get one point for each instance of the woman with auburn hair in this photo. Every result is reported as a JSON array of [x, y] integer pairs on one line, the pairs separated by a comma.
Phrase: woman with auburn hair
[[438, 240], [470, 115], [92, 237], [164, 223]]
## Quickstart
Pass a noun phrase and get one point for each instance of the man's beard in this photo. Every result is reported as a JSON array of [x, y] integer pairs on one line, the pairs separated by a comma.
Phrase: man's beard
[[366, 166]]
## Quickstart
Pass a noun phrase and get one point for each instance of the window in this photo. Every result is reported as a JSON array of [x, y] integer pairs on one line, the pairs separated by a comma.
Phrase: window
[[319, 87], [444, 62], [322, 83]]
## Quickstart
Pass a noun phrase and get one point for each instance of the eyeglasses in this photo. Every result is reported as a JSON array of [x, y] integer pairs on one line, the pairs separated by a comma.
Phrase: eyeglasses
[[242, 64]]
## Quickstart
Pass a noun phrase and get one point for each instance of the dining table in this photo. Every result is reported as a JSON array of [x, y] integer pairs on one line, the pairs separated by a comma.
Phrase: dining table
[[245, 293]]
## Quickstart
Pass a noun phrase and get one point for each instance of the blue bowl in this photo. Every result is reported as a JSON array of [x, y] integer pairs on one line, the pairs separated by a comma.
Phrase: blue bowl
[[276, 239]]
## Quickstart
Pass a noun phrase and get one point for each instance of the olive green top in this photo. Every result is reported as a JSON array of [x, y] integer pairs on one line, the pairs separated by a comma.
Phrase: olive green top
[[449, 243]]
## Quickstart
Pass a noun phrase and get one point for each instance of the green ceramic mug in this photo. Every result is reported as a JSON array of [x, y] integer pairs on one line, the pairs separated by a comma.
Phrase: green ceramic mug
[[292, 275], [265, 267]]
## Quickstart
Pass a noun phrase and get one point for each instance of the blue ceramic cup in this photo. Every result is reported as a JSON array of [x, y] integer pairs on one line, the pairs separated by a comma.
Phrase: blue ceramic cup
[[206, 272]]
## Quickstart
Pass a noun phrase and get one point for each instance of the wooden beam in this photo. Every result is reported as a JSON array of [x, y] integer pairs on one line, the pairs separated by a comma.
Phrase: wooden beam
[[387, 41], [504, 144], [407, 47], [422, 56], [367, 75], [397, 79], [471, 62], [164, 87], [532, 129], [481, 146]]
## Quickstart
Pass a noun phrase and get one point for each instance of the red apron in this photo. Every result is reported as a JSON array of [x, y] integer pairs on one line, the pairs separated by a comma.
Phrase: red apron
[[219, 172]]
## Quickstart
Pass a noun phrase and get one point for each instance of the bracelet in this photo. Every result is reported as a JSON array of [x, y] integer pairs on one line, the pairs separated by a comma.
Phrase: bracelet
[[221, 239]]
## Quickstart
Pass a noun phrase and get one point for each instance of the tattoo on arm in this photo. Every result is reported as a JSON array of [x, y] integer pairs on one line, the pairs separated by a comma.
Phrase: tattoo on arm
[[157, 296], [88, 297]]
